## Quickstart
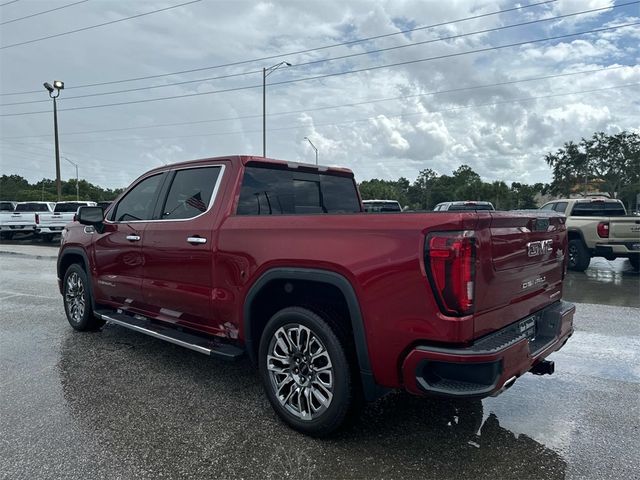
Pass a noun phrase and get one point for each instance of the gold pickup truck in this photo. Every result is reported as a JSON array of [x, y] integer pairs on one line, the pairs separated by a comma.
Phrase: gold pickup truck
[[598, 227]]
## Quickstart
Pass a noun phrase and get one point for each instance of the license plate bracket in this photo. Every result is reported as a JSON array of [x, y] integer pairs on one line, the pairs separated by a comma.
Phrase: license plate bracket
[[527, 327]]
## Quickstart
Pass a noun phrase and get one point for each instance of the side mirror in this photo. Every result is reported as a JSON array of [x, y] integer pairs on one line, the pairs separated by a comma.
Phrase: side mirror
[[90, 216]]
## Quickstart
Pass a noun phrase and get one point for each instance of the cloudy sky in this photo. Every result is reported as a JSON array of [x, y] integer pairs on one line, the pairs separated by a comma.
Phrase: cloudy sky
[[384, 107]]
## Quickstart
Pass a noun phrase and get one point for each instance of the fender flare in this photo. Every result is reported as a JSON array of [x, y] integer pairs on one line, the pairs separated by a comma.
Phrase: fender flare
[[81, 252], [371, 389]]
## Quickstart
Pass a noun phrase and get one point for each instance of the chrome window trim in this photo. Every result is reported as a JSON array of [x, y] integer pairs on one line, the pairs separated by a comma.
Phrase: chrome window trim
[[214, 194]]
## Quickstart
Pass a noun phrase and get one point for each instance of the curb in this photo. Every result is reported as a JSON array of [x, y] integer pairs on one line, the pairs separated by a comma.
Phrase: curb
[[28, 255]]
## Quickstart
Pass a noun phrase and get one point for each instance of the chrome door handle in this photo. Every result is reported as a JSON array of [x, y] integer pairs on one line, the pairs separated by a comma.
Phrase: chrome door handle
[[196, 240], [133, 238]]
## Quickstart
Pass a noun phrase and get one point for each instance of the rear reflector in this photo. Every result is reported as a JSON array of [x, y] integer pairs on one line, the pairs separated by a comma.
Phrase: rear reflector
[[450, 266], [603, 229], [37, 219]]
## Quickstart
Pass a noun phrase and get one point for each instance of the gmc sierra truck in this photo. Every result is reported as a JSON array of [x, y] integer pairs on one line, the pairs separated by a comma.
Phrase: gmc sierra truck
[[598, 227], [277, 260], [23, 218], [49, 224]]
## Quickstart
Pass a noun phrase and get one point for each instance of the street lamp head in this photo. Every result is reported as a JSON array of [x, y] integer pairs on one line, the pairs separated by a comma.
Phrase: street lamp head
[[58, 84], [48, 86]]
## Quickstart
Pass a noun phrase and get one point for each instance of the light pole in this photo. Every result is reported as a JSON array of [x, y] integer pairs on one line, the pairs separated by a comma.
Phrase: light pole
[[314, 147], [77, 180], [54, 92], [265, 73]]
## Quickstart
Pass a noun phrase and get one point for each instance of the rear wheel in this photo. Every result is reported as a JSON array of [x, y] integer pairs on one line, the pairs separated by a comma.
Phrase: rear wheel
[[47, 237], [305, 371], [635, 262], [76, 295], [6, 235], [579, 256]]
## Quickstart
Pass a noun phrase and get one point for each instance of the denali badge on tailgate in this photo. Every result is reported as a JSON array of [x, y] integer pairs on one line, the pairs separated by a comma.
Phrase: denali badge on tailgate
[[539, 248]]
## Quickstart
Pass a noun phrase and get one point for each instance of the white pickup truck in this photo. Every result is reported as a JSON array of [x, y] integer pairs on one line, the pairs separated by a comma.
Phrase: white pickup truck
[[49, 224], [23, 218]]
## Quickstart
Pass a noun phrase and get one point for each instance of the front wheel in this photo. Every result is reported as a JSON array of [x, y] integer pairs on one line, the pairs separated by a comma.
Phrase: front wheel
[[635, 262], [76, 295], [305, 372]]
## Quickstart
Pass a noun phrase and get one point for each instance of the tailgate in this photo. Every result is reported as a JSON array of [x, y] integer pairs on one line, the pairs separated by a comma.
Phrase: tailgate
[[521, 261], [626, 229], [20, 219], [55, 219]]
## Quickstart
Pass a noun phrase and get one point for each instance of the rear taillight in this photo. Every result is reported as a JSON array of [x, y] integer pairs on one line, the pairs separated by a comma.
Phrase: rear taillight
[[37, 219], [75, 217], [603, 229], [450, 265]]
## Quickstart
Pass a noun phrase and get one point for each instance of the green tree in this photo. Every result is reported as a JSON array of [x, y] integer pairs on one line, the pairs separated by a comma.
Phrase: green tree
[[610, 161]]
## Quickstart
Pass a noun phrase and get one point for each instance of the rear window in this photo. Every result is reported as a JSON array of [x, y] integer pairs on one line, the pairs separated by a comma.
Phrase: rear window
[[6, 207], [475, 207], [271, 191], [382, 207], [68, 207], [32, 207], [598, 209]]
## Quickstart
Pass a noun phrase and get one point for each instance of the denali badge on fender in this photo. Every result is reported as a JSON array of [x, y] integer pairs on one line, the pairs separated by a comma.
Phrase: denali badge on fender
[[539, 248]]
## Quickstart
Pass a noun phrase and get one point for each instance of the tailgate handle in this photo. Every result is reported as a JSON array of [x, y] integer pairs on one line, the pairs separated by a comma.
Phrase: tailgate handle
[[196, 240]]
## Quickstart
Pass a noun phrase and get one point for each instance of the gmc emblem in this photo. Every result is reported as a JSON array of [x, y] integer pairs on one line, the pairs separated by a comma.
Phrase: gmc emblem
[[539, 248]]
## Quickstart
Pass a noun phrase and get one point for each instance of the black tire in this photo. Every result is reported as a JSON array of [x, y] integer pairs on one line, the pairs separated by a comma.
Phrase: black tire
[[635, 262], [6, 235], [47, 237], [344, 384], [579, 256], [76, 295]]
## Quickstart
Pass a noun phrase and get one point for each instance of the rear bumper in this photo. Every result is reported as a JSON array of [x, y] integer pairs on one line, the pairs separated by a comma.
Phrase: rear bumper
[[493, 362], [51, 229], [17, 228], [619, 249]]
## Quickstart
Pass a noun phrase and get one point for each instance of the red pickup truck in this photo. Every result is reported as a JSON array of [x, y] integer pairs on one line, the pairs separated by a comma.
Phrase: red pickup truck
[[277, 260]]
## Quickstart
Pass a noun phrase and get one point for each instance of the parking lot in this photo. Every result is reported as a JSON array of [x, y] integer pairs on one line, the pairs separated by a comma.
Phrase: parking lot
[[117, 404]]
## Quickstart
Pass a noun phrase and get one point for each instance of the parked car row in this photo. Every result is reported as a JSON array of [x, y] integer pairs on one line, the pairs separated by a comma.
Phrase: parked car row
[[43, 218], [597, 226]]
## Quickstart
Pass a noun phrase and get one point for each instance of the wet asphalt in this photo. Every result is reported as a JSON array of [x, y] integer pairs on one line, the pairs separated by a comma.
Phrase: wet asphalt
[[117, 404]]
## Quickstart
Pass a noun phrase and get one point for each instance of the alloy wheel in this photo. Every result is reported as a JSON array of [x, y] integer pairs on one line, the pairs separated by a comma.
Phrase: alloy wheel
[[301, 371], [75, 297]]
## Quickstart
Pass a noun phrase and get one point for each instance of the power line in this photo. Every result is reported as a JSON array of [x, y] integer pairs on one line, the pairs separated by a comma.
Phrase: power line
[[43, 12], [329, 107], [342, 57], [318, 77], [34, 40], [7, 3], [334, 124], [298, 52]]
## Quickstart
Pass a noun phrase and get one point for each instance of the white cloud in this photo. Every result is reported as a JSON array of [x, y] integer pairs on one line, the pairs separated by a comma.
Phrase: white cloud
[[502, 135]]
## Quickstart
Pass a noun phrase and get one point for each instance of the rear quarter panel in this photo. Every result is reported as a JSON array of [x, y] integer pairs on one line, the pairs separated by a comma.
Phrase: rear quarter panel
[[380, 255]]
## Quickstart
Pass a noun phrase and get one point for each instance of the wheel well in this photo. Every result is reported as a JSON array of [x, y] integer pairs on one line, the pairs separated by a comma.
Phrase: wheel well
[[573, 235], [282, 293], [68, 260]]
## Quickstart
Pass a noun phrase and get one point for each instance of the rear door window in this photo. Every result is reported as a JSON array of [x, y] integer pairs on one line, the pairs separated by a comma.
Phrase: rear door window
[[190, 193], [272, 191]]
